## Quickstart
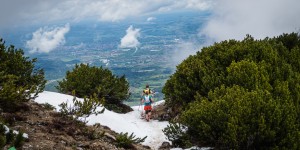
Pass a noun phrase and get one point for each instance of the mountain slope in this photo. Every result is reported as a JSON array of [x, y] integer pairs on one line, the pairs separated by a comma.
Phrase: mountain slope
[[129, 122], [49, 130]]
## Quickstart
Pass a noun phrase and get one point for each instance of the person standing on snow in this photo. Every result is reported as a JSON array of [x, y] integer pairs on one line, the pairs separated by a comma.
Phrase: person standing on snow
[[147, 100], [150, 92]]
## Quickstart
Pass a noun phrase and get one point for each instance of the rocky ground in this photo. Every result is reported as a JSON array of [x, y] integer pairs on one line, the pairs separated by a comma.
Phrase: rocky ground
[[49, 130]]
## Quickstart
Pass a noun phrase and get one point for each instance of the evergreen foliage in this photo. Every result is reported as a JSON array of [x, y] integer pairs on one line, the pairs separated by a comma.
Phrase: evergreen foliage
[[48, 106], [176, 133], [2, 141], [82, 108], [125, 141], [2, 136], [10, 138], [20, 81], [18, 142], [241, 94], [86, 80]]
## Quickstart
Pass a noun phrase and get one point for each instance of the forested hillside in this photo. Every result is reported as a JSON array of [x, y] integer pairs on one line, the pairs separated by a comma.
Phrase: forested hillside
[[239, 94]]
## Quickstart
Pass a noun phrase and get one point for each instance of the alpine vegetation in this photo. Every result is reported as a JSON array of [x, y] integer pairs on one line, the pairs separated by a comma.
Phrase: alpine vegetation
[[20, 81], [84, 108], [125, 141], [240, 94], [85, 81]]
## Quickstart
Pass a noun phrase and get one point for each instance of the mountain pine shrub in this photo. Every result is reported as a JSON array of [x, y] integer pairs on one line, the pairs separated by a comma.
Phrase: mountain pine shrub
[[20, 81], [240, 94], [86, 80]]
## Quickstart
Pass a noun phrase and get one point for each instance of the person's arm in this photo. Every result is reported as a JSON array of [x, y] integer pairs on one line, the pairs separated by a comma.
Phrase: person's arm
[[151, 99], [142, 100]]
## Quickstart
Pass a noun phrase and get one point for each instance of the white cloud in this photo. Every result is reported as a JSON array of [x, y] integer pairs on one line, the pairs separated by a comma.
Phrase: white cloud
[[130, 39], [233, 19], [37, 11], [150, 19], [47, 39], [183, 50]]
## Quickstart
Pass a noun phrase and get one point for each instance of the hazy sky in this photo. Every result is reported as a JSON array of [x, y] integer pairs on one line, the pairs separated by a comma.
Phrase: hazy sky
[[259, 18], [13, 12], [229, 19]]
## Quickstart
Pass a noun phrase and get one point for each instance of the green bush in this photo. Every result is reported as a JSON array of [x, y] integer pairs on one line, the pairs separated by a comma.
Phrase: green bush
[[20, 81], [19, 140], [48, 106], [82, 108], [2, 129], [10, 138], [2, 141], [177, 134], [210, 68], [125, 141], [2, 136], [241, 119], [86, 80], [240, 94]]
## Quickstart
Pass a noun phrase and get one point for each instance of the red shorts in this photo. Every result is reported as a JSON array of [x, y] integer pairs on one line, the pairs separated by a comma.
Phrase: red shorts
[[148, 107]]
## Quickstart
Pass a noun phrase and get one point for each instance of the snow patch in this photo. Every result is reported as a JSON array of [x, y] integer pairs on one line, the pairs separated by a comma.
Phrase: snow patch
[[129, 122]]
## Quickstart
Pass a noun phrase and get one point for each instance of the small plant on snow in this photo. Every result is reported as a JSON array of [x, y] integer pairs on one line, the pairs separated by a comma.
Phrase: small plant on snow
[[82, 108], [125, 141]]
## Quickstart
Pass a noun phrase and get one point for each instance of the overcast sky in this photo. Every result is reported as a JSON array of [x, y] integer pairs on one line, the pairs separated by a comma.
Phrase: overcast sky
[[229, 19], [259, 18], [13, 12]]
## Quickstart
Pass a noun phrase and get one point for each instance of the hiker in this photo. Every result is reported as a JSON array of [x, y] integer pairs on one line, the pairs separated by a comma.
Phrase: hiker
[[150, 92], [147, 100]]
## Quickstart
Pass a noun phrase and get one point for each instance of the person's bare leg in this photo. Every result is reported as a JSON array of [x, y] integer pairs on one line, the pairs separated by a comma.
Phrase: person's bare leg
[[142, 114], [149, 115]]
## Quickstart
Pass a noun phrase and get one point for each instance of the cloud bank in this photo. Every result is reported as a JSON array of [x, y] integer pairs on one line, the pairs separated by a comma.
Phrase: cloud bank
[[233, 19], [47, 39], [130, 40], [47, 11]]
